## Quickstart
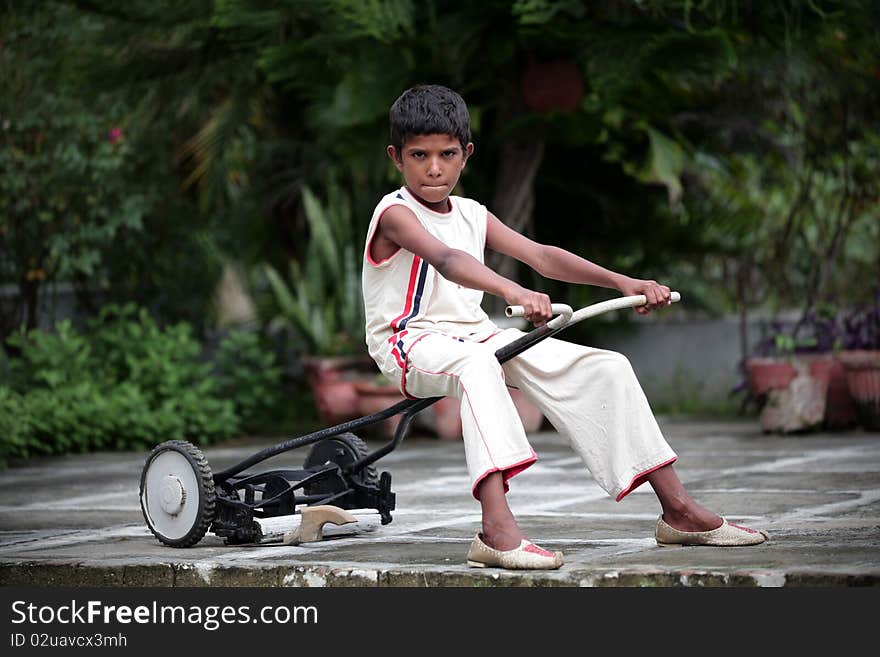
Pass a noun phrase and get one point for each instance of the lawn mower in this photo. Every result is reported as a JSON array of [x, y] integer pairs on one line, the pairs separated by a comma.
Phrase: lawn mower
[[338, 484]]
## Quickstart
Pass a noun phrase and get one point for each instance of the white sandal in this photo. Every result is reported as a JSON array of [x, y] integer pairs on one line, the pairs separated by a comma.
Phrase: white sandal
[[726, 535], [527, 556]]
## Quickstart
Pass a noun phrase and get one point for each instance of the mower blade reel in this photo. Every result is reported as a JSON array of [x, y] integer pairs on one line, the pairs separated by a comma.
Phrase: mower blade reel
[[312, 521]]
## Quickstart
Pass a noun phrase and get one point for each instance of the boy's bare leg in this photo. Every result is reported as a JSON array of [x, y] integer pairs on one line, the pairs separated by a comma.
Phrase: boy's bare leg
[[500, 530], [679, 509]]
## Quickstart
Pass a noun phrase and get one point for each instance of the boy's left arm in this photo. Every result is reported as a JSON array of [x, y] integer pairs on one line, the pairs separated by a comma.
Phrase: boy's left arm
[[554, 262]]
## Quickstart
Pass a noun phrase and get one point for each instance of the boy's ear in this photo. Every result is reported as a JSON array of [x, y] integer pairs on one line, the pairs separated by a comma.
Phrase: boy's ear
[[395, 156], [468, 151]]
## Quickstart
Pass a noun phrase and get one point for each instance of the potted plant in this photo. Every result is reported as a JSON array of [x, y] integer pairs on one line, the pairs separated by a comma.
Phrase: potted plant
[[795, 379], [860, 359]]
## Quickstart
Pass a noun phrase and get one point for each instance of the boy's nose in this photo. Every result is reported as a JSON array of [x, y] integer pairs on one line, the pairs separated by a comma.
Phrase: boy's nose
[[434, 167]]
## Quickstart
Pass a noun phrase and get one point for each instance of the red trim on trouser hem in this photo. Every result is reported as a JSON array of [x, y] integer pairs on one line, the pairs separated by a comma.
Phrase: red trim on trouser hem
[[506, 473], [639, 479]]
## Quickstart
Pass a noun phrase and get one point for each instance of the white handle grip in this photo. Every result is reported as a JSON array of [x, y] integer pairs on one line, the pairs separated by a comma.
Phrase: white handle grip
[[557, 308], [616, 304]]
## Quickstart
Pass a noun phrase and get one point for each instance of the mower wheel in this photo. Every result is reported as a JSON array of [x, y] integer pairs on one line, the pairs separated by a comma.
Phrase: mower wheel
[[344, 449], [177, 493]]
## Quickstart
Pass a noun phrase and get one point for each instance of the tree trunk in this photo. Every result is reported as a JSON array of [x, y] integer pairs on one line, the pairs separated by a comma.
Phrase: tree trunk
[[514, 200]]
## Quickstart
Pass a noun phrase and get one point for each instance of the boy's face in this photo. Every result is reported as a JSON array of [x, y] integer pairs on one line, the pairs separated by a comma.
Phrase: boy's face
[[431, 166]]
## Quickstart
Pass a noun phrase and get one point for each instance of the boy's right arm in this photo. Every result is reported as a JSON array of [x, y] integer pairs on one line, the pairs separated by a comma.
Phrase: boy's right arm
[[400, 226]]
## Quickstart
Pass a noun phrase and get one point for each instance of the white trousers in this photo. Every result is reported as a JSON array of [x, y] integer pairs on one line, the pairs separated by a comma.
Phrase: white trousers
[[591, 397]]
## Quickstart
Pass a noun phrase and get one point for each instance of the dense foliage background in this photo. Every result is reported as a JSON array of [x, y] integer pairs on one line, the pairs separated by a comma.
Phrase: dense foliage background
[[167, 153]]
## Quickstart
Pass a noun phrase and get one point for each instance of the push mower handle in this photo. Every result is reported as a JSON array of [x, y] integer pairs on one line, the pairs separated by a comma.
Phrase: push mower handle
[[565, 315], [566, 318]]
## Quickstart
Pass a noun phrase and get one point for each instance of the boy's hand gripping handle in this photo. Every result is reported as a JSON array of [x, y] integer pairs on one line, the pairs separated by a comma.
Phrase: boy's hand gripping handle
[[563, 311]]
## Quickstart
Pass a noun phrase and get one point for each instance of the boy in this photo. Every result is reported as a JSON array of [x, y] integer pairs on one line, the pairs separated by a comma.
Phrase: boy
[[423, 281]]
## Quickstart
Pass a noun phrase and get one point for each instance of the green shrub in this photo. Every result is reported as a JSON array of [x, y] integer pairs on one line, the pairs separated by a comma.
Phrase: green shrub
[[14, 435], [49, 360], [130, 346], [247, 373], [125, 383]]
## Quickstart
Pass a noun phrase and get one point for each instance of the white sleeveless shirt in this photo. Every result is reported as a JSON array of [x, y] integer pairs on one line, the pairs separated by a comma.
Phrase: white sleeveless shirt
[[405, 296]]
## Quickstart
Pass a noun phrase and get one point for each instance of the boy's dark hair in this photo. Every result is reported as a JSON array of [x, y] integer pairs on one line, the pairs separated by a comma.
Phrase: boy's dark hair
[[429, 110]]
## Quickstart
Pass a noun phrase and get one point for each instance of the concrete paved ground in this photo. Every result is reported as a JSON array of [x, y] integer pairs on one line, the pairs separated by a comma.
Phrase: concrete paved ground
[[75, 520]]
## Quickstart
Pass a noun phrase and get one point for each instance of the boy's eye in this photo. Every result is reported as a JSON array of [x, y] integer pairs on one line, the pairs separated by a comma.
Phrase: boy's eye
[[418, 155]]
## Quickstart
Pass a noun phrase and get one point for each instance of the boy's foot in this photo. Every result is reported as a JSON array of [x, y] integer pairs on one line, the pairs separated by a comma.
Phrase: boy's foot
[[501, 537], [727, 535], [527, 556], [693, 518]]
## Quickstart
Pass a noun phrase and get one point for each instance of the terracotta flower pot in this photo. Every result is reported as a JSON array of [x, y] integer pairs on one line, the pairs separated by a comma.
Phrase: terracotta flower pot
[[335, 400], [840, 409], [333, 380], [766, 374], [794, 390], [862, 369], [372, 398]]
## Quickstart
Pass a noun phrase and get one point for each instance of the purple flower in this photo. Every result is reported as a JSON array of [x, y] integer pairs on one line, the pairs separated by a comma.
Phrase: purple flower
[[114, 136]]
